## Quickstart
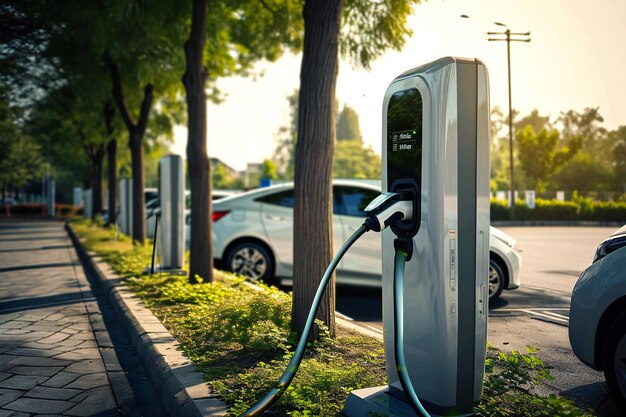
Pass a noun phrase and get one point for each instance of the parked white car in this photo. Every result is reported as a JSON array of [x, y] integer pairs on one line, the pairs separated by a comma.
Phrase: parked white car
[[597, 321], [153, 206], [253, 236]]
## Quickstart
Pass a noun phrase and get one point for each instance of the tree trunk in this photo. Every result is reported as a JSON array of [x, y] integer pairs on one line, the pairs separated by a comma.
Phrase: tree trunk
[[199, 164], [112, 178], [109, 113], [96, 180], [136, 132], [314, 162], [139, 198]]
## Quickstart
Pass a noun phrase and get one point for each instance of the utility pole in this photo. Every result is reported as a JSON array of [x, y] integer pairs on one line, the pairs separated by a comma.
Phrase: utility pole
[[508, 38]]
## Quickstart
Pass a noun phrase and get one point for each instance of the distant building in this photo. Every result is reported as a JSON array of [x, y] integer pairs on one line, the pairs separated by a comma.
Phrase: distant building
[[251, 174]]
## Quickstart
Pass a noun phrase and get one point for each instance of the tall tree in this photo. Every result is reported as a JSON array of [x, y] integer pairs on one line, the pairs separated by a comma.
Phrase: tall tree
[[593, 157], [535, 120], [64, 119], [350, 158], [348, 125], [136, 132], [286, 138], [354, 159], [109, 114], [619, 157], [139, 44], [583, 173], [540, 154], [8, 132], [194, 79], [239, 33], [367, 30], [314, 151], [21, 159], [269, 170]]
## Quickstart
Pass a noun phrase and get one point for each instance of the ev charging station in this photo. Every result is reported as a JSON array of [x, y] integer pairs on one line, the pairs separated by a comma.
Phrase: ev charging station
[[88, 203], [434, 218], [172, 214], [436, 148], [126, 206]]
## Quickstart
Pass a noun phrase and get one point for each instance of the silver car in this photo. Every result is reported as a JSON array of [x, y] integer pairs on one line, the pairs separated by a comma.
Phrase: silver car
[[253, 236], [597, 321]]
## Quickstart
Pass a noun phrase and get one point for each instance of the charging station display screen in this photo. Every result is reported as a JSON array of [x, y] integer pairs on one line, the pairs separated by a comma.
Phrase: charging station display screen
[[404, 136]]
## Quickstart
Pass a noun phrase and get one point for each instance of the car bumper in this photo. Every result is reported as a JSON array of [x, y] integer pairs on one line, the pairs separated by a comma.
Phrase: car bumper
[[514, 261], [583, 317]]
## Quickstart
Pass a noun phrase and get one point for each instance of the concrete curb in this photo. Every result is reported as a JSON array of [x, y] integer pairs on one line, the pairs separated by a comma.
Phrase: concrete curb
[[548, 223], [181, 386]]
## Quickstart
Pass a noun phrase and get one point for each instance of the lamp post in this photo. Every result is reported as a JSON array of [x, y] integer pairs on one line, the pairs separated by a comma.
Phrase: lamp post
[[508, 38]]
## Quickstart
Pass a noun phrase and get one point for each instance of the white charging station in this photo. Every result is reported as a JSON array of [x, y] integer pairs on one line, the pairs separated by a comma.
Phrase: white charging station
[[436, 141], [88, 203], [172, 216], [125, 216], [50, 196]]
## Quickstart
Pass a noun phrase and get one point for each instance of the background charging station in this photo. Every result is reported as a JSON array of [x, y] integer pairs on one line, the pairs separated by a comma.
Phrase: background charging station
[[87, 202], [125, 217], [172, 215], [436, 141]]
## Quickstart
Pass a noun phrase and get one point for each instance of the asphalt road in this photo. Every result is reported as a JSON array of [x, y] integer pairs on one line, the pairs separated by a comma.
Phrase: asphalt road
[[534, 315], [554, 257]]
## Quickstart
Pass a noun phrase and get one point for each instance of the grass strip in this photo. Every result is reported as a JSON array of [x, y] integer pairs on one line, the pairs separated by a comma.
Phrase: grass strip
[[240, 339]]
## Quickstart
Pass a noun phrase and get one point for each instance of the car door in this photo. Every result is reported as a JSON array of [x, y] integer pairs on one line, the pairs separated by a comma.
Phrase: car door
[[277, 217], [362, 264]]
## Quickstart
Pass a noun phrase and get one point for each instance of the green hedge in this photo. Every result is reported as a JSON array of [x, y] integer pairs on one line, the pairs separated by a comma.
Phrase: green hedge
[[580, 209]]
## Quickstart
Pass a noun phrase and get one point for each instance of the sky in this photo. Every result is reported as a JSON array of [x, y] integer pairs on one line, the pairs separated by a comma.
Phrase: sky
[[576, 59]]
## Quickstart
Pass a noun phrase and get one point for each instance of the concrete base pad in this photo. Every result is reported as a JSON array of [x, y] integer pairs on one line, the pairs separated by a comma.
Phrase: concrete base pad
[[376, 402]]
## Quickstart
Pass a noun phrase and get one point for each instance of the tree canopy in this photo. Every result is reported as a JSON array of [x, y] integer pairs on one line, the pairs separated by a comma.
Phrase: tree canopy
[[586, 156]]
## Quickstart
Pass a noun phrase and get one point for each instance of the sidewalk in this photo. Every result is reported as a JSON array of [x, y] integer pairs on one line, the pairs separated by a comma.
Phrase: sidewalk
[[56, 355]]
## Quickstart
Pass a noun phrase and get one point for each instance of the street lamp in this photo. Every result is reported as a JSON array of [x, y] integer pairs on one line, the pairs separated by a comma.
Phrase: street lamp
[[508, 38]]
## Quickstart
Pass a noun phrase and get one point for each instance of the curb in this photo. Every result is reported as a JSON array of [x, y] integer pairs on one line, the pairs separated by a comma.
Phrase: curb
[[556, 223], [179, 383]]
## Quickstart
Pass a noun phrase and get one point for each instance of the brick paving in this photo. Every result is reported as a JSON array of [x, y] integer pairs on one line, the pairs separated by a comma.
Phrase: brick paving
[[56, 356]]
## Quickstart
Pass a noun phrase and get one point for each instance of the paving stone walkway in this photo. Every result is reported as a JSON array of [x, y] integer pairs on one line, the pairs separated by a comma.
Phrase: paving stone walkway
[[56, 355]]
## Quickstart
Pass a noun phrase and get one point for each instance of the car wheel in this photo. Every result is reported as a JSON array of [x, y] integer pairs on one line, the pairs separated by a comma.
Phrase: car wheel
[[614, 358], [251, 260], [496, 280]]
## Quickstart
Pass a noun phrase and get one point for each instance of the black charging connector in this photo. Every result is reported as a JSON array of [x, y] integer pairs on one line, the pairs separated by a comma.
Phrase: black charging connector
[[410, 190], [405, 245]]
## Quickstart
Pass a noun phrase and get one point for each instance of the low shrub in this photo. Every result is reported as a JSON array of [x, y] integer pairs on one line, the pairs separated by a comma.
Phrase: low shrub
[[579, 209]]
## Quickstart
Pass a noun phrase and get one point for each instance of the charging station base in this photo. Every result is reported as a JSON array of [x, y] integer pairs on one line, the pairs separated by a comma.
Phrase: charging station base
[[159, 269], [377, 402]]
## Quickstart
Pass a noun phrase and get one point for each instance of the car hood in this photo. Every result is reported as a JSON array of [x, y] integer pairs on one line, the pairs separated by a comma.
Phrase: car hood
[[499, 234], [620, 231]]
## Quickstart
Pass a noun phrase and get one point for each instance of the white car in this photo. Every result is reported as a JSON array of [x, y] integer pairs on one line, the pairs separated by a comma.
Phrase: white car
[[253, 236], [597, 321], [153, 206]]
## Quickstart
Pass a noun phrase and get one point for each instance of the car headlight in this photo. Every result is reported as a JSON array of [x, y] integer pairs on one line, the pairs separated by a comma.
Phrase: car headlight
[[609, 246]]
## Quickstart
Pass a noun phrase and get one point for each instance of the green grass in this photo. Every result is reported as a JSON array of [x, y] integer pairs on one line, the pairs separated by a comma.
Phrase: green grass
[[240, 339]]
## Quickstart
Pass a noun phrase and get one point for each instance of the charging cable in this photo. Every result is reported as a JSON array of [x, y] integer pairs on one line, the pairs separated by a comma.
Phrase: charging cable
[[381, 212], [404, 250]]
